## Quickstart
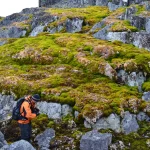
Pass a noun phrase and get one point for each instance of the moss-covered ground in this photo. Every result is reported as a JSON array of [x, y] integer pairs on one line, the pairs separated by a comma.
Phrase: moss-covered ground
[[70, 69]]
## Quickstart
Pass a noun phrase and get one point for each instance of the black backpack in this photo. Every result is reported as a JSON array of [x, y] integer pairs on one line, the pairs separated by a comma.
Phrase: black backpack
[[16, 115]]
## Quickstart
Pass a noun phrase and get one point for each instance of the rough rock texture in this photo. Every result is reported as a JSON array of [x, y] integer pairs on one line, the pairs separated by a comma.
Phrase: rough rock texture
[[66, 109], [129, 123], [112, 122], [146, 96], [44, 139], [131, 79], [95, 140], [81, 3], [10, 32], [141, 116], [6, 104], [141, 40], [74, 25], [54, 110], [19, 145], [2, 140], [37, 30]]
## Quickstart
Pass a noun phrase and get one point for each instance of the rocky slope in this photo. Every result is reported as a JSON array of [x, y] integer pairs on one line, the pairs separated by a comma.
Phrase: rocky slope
[[87, 78]]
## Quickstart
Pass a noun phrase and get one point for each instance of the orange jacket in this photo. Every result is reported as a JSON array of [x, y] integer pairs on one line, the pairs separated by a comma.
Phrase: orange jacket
[[26, 106]]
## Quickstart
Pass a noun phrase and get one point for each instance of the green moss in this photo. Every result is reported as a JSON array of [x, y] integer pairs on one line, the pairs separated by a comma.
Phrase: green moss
[[122, 26]]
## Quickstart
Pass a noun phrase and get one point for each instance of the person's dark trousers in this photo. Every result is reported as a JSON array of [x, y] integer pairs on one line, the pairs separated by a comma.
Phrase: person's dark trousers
[[26, 130]]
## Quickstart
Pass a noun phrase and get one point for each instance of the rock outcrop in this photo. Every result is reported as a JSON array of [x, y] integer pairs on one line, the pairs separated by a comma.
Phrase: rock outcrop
[[54, 110], [2, 140], [44, 139], [19, 145], [129, 123], [82, 3], [6, 105], [95, 140]]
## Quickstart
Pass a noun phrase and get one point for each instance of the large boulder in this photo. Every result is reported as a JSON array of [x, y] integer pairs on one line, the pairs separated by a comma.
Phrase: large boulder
[[141, 40], [129, 123], [94, 140], [54, 110], [146, 96], [147, 25], [19, 145], [131, 79], [12, 32], [44, 139], [141, 116], [112, 122], [37, 30], [74, 25], [6, 106], [2, 140], [102, 2]]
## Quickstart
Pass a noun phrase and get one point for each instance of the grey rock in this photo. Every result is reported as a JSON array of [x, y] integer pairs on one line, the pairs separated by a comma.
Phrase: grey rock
[[66, 109], [16, 17], [55, 29], [112, 6], [129, 13], [87, 124], [35, 10], [42, 19], [138, 21], [129, 123], [37, 30], [102, 2], [102, 34], [43, 139], [141, 40], [10, 32], [53, 110], [146, 96], [112, 122], [21, 145], [66, 3], [74, 25], [98, 25], [2, 140], [120, 36], [76, 113], [95, 140], [6, 105], [131, 79], [141, 116], [147, 3], [147, 25]]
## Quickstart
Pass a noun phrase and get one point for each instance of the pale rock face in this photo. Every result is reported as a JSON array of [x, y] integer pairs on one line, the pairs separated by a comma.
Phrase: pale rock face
[[43, 139], [74, 25], [6, 106], [37, 30], [95, 140], [20, 145], [112, 122], [129, 123], [2, 140], [54, 110]]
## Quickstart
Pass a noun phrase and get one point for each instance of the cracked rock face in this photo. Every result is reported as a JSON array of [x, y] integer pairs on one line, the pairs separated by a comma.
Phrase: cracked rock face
[[95, 140], [129, 123], [6, 106], [44, 138]]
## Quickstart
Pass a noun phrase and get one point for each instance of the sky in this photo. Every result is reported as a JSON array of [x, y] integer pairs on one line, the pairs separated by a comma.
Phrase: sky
[[8, 7]]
